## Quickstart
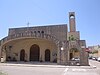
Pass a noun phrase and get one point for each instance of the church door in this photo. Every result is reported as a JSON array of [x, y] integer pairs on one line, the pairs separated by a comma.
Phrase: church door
[[22, 55], [71, 56], [34, 53], [47, 55]]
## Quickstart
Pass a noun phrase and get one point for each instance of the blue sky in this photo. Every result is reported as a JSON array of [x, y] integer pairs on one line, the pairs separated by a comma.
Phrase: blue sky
[[16, 13]]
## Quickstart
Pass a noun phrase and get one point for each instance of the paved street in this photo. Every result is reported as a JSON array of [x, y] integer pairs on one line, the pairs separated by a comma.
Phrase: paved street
[[97, 64], [31, 69], [14, 70]]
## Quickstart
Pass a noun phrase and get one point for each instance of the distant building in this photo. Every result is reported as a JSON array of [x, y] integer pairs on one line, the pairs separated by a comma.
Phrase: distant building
[[51, 43], [94, 51]]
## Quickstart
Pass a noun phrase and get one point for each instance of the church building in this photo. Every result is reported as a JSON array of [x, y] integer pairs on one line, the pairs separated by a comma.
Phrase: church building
[[50, 43]]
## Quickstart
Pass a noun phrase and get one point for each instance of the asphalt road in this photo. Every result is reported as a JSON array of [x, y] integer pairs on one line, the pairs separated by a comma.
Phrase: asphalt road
[[51, 69], [96, 64]]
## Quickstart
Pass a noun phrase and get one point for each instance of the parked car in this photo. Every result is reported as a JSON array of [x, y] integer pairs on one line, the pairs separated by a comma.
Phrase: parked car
[[95, 58], [76, 59], [99, 59], [90, 57]]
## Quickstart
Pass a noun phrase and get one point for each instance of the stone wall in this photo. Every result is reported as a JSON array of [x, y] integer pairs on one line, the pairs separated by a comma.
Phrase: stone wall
[[58, 31]]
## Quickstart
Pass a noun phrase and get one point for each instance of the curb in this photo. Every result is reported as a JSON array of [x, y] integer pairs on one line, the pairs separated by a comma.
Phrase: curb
[[33, 65], [45, 65]]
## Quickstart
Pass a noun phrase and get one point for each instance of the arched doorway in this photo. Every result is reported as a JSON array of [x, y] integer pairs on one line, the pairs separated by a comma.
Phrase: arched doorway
[[47, 55], [74, 53], [22, 55], [71, 56], [34, 53]]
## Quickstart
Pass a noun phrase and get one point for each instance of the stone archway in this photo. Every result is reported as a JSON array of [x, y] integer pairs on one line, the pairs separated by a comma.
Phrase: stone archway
[[22, 55], [74, 52], [34, 52], [30, 56], [47, 55]]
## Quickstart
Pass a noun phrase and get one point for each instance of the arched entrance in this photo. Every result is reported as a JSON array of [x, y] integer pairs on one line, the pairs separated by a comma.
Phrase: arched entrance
[[74, 53], [71, 56], [34, 53], [22, 55], [47, 55]]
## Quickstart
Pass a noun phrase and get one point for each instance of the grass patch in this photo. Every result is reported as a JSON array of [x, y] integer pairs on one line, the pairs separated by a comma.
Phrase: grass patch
[[1, 73]]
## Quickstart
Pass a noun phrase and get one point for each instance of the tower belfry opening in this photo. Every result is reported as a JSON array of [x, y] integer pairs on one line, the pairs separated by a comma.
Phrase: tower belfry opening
[[72, 16]]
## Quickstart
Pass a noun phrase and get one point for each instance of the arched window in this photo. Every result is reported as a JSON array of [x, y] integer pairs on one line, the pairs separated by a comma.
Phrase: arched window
[[38, 31], [42, 32], [47, 55]]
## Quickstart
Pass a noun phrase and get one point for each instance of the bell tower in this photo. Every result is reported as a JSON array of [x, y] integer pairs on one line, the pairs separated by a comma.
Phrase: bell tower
[[72, 21], [73, 34]]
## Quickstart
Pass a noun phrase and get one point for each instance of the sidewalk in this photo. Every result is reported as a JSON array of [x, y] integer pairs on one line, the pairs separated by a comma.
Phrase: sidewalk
[[41, 64], [33, 64]]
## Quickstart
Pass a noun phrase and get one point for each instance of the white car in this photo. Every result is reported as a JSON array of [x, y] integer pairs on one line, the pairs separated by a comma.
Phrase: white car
[[99, 59]]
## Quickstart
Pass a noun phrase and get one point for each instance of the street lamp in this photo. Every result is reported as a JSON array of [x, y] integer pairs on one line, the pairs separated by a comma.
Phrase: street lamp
[[62, 48]]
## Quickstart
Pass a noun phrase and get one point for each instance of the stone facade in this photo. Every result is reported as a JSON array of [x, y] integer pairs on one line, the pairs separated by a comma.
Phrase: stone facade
[[51, 43]]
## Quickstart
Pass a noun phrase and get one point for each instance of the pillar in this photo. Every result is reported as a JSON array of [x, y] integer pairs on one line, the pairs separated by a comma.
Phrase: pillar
[[83, 57]]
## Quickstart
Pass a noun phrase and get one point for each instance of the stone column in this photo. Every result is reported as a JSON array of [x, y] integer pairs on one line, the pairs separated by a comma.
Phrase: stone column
[[58, 54], [83, 57], [67, 55], [64, 56], [3, 54], [83, 53], [64, 53], [61, 53]]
